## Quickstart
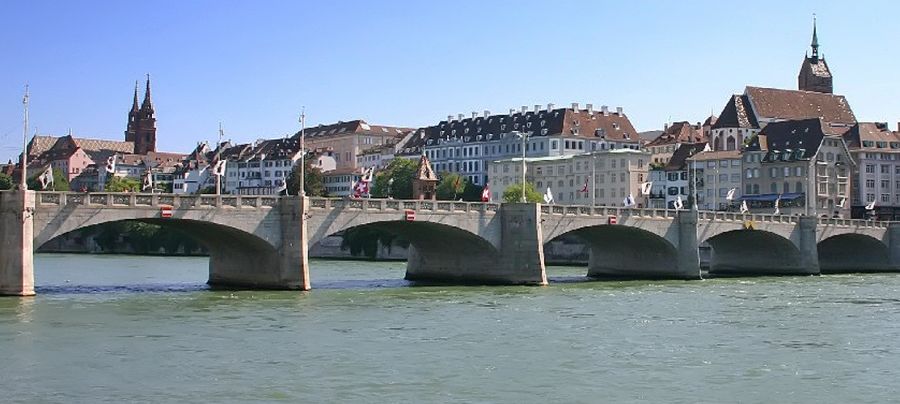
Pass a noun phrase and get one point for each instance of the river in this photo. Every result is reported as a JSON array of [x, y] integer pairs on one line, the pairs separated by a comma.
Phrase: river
[[147, 329]]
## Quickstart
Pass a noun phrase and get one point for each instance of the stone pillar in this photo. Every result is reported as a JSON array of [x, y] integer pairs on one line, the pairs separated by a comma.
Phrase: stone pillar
[[688, 247], [17, 243], [893, 243], [522, 242], [808, 245]]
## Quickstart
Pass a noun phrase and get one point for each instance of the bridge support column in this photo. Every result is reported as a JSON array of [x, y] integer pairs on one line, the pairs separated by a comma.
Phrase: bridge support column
[[808, 245], [893, 242], [688, 247], [16, 243], [522, 243]]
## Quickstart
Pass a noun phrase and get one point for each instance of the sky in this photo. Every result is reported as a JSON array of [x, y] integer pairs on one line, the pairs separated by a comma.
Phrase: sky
[[252, 65]]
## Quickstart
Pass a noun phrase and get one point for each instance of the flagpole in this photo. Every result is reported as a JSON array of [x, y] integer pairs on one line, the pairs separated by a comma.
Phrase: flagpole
[[218, 156], [302, 151], [593, 179], [24, 183]]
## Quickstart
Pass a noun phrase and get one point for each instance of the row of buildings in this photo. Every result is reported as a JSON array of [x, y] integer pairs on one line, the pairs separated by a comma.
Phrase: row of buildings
[[802, 150]]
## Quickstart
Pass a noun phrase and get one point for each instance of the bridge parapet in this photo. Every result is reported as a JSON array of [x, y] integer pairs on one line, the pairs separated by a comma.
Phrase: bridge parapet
[[138, 200], [582, 210], [394, 205]]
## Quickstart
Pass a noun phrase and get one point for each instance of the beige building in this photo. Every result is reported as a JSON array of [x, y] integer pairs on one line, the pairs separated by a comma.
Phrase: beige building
[[604, 177], [349, 139]]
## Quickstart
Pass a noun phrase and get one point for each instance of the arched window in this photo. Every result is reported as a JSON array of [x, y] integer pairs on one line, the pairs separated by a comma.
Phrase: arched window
[[787, 187], [756, 189], [799, 187], [730, 144], [717, 144], [773, 187]]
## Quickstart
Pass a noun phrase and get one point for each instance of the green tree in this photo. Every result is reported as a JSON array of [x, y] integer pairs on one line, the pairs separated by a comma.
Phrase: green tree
[[122, 184], [401, 171], [6, 182], [451, 187], [472, 193], [314, 180], [60, 182], [513, 194]]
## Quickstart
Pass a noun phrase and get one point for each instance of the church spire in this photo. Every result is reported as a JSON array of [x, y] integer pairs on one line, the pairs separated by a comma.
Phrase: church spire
[[148, 103], [815, 41], [134, 104]]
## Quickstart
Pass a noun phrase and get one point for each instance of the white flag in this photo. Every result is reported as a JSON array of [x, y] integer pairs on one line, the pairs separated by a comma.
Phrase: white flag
[[843, 201], [629, 201], [744, 208], [548, 196], [646, 187], [148, 181], [679, 204], [46, 178], [777, 205], [219, 168], [368, 174], [283, 187], [871, 206], [730, 195], [111, 164]]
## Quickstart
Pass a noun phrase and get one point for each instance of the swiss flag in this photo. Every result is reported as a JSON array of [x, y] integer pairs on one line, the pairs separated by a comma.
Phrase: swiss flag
[[486, 194], [585, 188]]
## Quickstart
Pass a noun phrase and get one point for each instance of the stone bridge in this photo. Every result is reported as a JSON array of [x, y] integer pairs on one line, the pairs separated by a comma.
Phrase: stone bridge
[[262, 241]]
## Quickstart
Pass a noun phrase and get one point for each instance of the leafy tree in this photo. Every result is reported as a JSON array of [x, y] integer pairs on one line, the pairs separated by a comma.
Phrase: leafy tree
[[6, 182], [60, 182], [314, 180], [451, 186], [207, 190], [401, 171], [513, 194], [122, 184], [472, 193]]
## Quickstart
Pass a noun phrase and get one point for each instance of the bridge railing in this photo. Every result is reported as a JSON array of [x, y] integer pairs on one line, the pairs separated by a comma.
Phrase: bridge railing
[[120, 199], [401, 205]]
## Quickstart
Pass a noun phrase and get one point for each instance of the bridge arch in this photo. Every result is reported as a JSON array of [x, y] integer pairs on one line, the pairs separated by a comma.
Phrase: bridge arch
[[853, 252], [756, 252], [618, 251], [438, 250]]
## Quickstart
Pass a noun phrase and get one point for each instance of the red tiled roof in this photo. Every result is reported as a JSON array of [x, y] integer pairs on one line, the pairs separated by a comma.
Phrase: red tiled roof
[[772, 103]]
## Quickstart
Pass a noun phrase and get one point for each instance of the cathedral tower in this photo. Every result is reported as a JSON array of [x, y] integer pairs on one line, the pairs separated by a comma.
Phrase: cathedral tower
[[141, 127], [814, 73]]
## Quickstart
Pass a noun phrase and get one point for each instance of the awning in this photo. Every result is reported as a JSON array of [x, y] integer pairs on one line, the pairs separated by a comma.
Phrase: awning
[[772, 197]]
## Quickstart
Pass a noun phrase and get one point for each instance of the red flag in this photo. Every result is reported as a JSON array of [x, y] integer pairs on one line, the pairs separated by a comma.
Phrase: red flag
[[585, 188], [486, 194]]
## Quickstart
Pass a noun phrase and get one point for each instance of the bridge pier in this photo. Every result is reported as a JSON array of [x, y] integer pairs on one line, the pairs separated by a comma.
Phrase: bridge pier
[[808, 245], [16, 243], [893, 243], [688, 246]]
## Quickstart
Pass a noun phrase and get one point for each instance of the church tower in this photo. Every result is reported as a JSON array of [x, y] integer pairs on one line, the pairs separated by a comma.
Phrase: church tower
[[814, 73], [141, 127]]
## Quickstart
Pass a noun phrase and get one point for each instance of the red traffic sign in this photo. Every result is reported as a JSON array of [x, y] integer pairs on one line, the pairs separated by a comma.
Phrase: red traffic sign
[[410, 215], [612, 220], [165, 211]]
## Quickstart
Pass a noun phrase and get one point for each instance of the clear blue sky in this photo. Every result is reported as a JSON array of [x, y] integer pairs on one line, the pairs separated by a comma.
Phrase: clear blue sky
[[253, 64]]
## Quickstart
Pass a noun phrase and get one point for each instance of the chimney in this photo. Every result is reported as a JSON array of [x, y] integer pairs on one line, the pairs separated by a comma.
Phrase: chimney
[[537, 107], [512, 111], [898, 126], [550, 106], [524, 109], [474, 114], [605, 110], [460, 116], [449, 118], [590, 108], [487, 113], [665, 126], [575, 106], [619, 111]]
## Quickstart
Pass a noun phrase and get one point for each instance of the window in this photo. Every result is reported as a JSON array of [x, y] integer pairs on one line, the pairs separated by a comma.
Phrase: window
[[870, 169], [773, 172], [870, 183], [885, 169], [885, 197], [756, 188], [787, 187], [773, 188], [554, 144], [787, 171], [748, 189], [885, 184]]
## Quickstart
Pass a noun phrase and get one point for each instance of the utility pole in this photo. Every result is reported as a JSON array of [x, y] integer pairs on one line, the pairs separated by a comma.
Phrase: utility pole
[[24, 183], [593, 179], [524, 137], [302, 151]]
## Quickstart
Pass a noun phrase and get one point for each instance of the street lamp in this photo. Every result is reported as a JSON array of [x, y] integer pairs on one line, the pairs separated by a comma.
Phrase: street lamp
[[593, 179], [302, 152], [24, 183], [524, 137]]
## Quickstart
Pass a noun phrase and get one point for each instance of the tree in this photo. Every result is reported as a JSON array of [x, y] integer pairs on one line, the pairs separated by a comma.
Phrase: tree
[[451, 187], [314, 181], [6, 182], [60, 182], [472, 193], [401, 171], [513, 194], [122, 184]]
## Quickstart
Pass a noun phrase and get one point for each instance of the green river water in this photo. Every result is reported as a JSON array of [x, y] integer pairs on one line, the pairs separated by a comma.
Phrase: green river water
[[142, 329]]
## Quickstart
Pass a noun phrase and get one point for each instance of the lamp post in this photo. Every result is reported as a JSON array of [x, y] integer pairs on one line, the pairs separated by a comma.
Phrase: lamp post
[[24, 183], [302, 151], [593, 179], [524, 137]]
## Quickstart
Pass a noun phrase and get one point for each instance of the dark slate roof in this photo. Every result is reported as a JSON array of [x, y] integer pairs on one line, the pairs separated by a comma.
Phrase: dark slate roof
[[738, 113], [679, 158], [800, 137]]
